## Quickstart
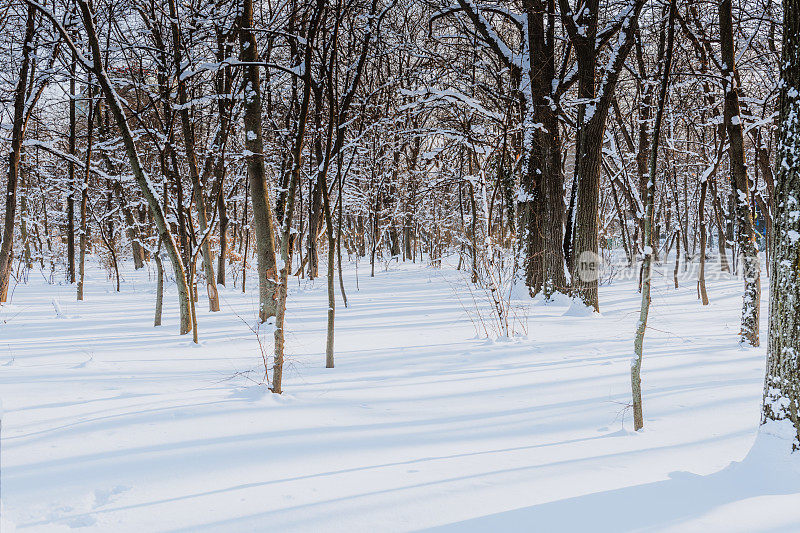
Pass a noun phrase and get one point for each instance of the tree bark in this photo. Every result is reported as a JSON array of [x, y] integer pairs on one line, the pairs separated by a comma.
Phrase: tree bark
[[647, 264], [746, 238], [583, 257], [17, 132], [84, 238], [191, 155], [701, 276], [781, 403], [112, 99], [71, 175], [256, 171]]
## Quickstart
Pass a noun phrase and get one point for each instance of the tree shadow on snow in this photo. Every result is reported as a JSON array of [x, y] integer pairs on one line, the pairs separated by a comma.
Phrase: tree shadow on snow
[[672, 504]]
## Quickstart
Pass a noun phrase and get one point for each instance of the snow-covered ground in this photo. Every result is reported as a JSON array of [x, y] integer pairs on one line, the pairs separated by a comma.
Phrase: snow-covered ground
[[113, 425]]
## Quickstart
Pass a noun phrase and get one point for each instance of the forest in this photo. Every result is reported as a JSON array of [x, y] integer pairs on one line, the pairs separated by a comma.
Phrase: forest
[[303, 251]]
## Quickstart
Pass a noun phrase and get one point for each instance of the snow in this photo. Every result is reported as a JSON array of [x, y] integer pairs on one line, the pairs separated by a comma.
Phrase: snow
[[579, 309], [113, 425]]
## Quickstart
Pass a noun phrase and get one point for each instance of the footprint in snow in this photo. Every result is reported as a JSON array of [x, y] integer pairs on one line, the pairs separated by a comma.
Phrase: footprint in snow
[[105, 496], [86, 520]]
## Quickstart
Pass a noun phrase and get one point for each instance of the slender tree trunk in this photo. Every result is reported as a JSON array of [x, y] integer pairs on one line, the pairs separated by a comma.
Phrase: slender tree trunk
[[288, 212], [71, 174], [331, 274], [256, 172], [23, 216], [159, 286], [112, 99], [339, 234], [224, 221], [17, 130], [191, 155], [647, 265], [246, 239], [701, 209], [84, 239], [721, 236]]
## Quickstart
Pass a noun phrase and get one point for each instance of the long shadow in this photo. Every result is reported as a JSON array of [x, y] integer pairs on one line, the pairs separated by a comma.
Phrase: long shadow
[[241, 523], [671, 504]]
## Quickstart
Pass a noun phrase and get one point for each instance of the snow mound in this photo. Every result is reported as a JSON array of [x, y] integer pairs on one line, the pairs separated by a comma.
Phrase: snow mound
[[254, 393], [579, 309], [557, 299], [519, 292]]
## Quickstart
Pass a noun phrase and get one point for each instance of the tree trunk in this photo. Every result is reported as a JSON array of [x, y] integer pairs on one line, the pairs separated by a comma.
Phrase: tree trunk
[[17, 130], [701, 277], [721, 237], [84, 239], [781, 404], [294, 179], [224, 221], [71, 174], [256, 172], [583, 257], [142, 179], [191, 155], [746, 238], [159, 287], [647, 264]]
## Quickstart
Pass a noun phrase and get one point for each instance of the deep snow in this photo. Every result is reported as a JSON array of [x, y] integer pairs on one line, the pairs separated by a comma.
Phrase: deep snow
[[113, 425]]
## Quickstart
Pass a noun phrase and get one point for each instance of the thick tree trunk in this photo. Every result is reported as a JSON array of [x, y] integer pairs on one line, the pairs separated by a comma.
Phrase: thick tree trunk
[[583, 257], [541, 204], [746, 238], [782, 381]]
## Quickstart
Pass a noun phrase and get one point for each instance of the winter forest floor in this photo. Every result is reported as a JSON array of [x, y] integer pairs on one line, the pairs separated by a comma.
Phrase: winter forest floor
[[113, 425]]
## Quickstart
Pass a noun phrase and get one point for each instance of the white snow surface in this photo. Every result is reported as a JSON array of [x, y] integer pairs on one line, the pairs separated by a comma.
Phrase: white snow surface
[[113, 425]]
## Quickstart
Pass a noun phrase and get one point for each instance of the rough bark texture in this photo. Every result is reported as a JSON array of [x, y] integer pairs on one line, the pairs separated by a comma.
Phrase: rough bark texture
[[546, 243], [256, 172], [539, 200], [583, 254], [746, 237], [782, 380]]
